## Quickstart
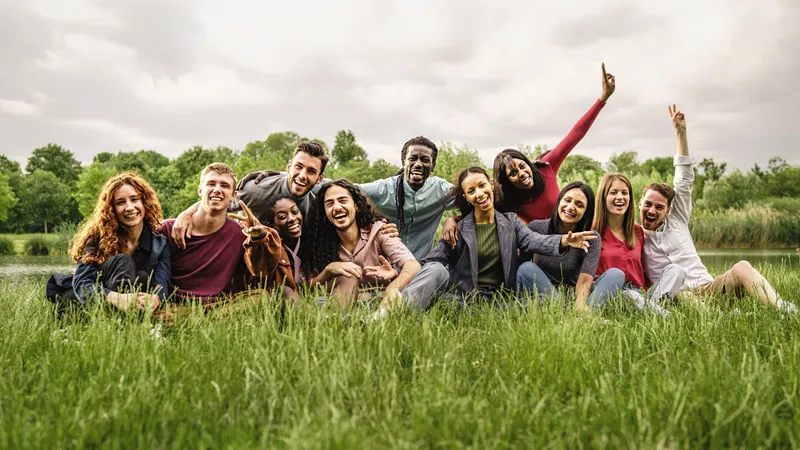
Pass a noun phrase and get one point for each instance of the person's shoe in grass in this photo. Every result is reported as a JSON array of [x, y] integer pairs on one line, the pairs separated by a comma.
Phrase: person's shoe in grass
[[786, 307], [378, 316]]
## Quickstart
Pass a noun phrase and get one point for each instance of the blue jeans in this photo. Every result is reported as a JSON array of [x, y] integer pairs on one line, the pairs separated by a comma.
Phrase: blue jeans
[[532, 278]]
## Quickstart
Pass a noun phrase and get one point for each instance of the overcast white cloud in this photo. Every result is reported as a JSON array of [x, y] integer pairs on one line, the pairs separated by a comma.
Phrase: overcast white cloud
[[167, 74]]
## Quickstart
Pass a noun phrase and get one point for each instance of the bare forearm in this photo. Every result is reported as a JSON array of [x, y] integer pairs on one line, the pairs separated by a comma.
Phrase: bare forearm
[[582, 288], [683, 143], [409, 270], [322, 277]]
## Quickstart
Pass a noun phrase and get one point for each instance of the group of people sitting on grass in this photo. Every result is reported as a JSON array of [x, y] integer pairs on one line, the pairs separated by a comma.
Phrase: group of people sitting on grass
[[518, 238]]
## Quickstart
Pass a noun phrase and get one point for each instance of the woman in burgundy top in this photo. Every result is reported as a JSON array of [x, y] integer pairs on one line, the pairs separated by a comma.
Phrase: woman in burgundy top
[[623, 245], [531, 190]]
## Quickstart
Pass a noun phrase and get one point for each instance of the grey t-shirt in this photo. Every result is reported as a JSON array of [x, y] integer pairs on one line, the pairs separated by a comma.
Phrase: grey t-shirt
[[565, 268], [258, 196]]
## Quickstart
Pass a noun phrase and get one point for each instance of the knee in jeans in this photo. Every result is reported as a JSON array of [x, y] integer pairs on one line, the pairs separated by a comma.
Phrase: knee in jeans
[[675, 270], [439, 271], [615, 276], [526, 270]]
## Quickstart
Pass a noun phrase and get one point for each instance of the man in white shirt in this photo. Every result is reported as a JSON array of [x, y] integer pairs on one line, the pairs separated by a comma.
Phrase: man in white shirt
[[665, 214]]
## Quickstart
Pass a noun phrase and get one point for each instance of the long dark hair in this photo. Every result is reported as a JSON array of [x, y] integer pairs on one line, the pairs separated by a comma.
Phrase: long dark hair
[[323, 243], [458, 192], [585, 224], [513, 197], [400, 190]]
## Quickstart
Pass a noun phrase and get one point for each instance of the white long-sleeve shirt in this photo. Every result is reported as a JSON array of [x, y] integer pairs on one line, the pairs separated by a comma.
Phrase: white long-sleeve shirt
[[672, 243]]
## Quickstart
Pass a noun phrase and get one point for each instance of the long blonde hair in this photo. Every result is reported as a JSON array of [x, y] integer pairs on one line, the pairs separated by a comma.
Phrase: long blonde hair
[[601, 211]]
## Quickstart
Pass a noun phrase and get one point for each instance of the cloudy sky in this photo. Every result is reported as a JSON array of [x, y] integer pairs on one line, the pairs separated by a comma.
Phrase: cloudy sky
[[167, 74]]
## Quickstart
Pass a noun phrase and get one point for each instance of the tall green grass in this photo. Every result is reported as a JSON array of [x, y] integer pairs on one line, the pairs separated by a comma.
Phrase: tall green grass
[[721, 375], [753, 227]]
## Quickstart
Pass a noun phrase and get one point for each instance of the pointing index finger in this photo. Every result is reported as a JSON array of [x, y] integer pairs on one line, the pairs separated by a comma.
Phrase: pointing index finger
[[605, 77]]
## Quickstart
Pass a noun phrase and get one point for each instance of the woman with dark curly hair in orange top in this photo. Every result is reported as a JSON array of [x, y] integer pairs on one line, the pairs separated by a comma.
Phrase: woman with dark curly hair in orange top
[[119, 250]]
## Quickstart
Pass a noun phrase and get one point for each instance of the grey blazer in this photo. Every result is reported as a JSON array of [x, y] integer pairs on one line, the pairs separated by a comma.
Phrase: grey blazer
[[512, 234]]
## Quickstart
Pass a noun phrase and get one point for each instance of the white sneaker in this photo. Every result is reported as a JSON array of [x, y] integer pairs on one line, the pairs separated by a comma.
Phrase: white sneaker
[[786, 307], [378, 316]]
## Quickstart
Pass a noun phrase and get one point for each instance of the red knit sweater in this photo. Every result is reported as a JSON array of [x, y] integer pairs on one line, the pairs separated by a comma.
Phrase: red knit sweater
[[542, 207]]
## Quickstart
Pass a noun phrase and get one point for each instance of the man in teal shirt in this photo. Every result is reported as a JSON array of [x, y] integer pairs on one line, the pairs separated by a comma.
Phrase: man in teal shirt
[[412, 199]]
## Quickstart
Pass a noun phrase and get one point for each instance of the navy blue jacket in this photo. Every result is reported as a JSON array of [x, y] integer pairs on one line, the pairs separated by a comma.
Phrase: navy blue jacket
[[152, 255]]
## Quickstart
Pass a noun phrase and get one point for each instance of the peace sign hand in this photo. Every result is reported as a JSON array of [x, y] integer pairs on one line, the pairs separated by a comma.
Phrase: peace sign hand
[[678, 119], [609, 84], [383, 272], [250, 224]]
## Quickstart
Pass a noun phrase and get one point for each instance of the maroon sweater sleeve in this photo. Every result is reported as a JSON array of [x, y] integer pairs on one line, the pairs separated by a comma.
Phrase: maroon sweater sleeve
[[560, 153]]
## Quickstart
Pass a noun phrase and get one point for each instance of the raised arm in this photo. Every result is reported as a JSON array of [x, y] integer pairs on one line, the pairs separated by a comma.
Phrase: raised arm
[[684, 174], [577, 133]]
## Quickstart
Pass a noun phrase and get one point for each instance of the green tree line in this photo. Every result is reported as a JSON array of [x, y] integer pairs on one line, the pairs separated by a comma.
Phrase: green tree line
[[55, 188]]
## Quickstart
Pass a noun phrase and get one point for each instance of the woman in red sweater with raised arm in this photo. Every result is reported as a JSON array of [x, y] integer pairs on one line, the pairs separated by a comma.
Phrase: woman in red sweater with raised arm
[[531, 189]]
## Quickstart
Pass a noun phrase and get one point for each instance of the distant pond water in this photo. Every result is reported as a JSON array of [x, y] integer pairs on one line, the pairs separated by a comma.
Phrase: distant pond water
[[17, 267]]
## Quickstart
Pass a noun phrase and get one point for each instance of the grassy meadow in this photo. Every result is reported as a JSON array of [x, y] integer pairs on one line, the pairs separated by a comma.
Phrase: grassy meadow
[[724, 374]]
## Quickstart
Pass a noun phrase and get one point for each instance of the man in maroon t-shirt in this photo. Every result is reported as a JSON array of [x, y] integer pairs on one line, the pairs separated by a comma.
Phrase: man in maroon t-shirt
[[224, 257]]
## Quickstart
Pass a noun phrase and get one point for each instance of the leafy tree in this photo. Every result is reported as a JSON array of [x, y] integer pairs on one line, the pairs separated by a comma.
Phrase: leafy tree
[[452, 160], [346, 149], [626, 163], [783, 180], [7, 198], [274, 151], [57, 160], [383, 169], [152, 159], [10, 168], [13, 173], [103, 157], [364, 172], [533, 153], [732, 191], [711, 170], [46, 198], [192, 161], [579, 168], [90, 183], [664, 165]]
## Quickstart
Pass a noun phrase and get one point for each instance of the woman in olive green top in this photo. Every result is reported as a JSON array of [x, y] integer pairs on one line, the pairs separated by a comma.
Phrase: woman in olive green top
[[485, 258]]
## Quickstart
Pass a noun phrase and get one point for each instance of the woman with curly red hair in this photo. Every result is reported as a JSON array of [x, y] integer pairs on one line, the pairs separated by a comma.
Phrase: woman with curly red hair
[[120, 254]]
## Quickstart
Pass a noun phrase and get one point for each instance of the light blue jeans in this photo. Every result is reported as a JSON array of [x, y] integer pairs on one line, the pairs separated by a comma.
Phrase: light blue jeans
[[531, 278]]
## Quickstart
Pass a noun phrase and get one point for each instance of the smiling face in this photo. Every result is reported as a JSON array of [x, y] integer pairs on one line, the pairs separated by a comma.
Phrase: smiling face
[[618, 198], [653, 209], [519, 174], [128, 206], [572, 207], [418, 165], [216, 191], [288, 219], [340, 209], [478, 191], [304, 171]]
